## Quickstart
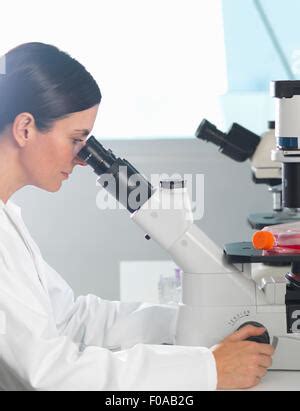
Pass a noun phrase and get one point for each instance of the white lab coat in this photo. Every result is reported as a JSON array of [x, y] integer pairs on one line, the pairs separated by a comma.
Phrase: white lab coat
[[50, 341]]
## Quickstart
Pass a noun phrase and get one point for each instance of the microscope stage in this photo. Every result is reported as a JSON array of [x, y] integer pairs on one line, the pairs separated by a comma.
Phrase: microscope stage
[[242, 253]]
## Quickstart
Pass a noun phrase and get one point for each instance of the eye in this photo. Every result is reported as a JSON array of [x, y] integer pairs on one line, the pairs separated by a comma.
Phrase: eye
[[76, 141]]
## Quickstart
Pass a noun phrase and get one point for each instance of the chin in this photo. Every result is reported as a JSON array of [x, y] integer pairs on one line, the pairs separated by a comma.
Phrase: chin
[[51, 188], [55, 189]]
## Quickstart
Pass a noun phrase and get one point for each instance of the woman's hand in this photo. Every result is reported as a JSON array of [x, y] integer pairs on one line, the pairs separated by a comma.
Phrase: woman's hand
[[241, 364]]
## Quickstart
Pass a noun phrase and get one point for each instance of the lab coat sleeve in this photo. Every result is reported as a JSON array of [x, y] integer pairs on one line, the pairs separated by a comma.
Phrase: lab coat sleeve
[[34, 357], [91, 320], [31, 362]]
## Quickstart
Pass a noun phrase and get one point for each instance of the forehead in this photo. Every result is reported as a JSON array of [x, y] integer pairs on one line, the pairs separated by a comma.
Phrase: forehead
[[81, 122]]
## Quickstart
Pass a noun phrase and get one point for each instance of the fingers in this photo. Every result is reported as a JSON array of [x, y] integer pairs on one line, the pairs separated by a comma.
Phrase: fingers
[[260, 349], [252, 382], [265, 349], [261, 372], [257, 373], [265, 361], [259, 361], [257, 381], [246, 332], [241, 364]]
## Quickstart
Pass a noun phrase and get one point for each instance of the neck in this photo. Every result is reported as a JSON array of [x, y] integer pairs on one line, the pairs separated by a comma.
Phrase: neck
[[11, 178]]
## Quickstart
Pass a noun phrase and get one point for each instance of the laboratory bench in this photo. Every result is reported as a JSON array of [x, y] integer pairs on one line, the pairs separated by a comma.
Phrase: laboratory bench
[[279, 381]]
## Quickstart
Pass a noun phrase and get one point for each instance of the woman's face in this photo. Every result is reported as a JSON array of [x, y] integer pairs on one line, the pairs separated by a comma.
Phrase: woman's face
[[50, 157]]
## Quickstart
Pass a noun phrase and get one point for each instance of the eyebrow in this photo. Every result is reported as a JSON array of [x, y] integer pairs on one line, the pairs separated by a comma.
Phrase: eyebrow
[[84, 132]]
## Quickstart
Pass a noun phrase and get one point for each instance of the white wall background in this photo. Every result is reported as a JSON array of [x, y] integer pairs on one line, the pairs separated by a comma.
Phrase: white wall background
[[160, 63]]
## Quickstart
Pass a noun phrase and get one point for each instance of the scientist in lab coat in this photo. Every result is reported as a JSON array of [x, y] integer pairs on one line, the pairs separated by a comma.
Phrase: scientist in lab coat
[[48, 339]]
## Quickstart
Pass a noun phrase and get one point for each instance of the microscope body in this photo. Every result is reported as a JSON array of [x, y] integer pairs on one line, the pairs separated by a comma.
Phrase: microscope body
[[218, 297], [267, 170], [287, 97], [214, 304], [264, 169]]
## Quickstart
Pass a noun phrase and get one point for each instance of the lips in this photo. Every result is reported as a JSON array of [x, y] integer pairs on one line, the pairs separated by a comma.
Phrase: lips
[[66, 175]]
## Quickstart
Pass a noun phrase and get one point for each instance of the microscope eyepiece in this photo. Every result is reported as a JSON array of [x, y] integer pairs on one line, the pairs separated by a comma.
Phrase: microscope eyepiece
[[238, 144], [95, 155], [116, 175]]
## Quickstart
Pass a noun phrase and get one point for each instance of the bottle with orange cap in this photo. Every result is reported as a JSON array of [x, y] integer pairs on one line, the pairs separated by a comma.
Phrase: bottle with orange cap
[[278, 239]]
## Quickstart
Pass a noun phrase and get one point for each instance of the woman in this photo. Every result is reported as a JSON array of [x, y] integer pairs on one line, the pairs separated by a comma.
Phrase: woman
[[49, 340]]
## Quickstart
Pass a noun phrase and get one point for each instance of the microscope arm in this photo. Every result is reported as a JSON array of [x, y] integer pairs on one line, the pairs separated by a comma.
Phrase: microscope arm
[[174, 230], [165, 214]]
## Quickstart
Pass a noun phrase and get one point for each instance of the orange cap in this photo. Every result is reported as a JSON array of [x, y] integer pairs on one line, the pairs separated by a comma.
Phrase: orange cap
[[263, 240]]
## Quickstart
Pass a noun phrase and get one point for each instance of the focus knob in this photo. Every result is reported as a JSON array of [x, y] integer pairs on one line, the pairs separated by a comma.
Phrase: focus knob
[[262, 339]]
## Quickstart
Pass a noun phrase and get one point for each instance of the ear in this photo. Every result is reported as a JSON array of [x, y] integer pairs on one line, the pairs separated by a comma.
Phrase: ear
[[23, 129]]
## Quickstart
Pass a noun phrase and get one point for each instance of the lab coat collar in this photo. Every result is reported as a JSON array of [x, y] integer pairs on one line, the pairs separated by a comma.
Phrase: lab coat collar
[[10, 207]]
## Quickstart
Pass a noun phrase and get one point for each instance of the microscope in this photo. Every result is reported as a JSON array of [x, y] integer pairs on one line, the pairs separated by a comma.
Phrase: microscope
[[222, 289], [240, 144]]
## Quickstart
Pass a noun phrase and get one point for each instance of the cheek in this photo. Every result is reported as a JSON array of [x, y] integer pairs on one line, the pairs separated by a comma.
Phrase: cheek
[[55, 157], [44, 161], [48, 161]]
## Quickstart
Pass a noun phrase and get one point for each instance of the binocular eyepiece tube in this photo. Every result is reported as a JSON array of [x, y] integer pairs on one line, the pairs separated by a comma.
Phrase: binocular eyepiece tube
[[238, 144], [117, 176]]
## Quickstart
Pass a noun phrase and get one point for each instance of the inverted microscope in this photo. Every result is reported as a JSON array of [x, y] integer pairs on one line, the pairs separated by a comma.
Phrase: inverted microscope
[[240, 144], [222, 289]]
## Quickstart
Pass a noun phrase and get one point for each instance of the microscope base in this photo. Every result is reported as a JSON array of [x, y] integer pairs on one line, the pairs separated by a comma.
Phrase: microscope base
[[207, 326]]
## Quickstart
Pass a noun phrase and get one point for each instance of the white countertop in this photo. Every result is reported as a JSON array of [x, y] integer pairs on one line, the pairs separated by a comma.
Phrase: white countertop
[[279, 381]]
